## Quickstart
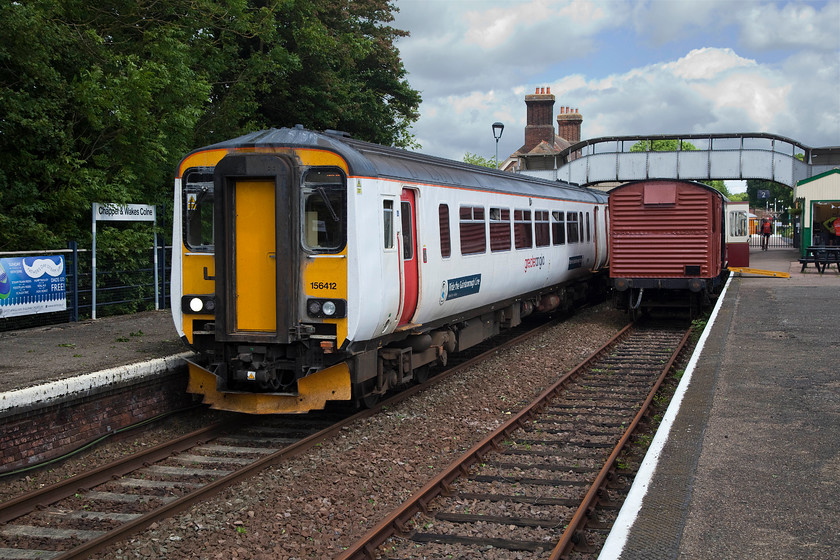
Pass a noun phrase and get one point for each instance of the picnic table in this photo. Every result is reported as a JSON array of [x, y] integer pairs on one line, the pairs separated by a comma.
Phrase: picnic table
[[821, 256]]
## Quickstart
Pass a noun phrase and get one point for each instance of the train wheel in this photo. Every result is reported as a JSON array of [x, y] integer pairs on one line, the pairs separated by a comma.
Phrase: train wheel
[[371, 400], [421, 374]]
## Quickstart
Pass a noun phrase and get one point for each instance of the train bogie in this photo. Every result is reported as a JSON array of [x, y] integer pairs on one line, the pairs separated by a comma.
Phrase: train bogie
[[314, 267]]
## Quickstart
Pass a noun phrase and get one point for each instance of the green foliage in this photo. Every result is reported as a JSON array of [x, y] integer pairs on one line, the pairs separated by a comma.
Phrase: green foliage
[[782, 194], [719, 186], [100, 100], [476, 159], [667, 145], [672, 145]]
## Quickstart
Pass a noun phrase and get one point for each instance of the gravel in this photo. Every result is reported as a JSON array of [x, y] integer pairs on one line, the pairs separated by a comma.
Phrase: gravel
[[316, 505]]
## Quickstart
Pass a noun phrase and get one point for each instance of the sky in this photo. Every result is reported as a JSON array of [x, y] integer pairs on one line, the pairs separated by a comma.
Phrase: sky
[[630, 67]]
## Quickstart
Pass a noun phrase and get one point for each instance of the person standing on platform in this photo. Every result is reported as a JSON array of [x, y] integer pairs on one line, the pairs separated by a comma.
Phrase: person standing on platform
[[832, 225], [766, 230]]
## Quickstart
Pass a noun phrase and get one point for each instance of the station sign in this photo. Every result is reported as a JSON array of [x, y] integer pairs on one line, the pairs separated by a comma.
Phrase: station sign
[[113, 212]]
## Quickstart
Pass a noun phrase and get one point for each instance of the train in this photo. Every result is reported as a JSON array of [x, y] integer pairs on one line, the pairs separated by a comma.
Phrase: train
[[671, 243], [311, 267]]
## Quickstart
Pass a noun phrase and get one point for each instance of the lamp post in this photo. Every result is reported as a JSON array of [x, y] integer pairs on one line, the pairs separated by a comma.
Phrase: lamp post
[[498, 128]]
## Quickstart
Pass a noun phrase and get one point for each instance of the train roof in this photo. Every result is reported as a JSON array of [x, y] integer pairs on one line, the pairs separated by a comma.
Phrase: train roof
[[676, 181], [365, 159]]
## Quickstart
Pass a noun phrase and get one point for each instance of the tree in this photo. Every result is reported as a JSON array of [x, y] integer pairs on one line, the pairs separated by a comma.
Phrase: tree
[[665, 145], [476, 159], [112, 94], [776, 193], [671, 145]]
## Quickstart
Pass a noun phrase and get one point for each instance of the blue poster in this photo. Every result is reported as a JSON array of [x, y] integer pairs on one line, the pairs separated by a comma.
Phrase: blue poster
[[460, 287], [30, 285]]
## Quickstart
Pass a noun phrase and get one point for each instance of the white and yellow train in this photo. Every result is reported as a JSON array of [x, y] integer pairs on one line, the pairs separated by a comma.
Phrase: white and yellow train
[[310, 267]]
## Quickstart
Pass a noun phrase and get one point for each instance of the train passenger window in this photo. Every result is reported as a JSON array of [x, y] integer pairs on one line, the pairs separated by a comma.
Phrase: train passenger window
[[445, 242], [558, 227], [541, 228], [738, 221], [324, 202], [388, 221], [473, 236], [572, 227], [580, 226], [499, 229], [198, 209], [407, 231], [522, 234], [588, 232]]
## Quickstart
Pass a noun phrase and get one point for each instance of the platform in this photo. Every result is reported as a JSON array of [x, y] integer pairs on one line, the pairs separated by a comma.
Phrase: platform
[[46, 363], [745, 464]]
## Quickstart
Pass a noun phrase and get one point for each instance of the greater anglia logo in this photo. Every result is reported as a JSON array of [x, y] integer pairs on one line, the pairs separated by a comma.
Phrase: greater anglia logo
[[534, 262]]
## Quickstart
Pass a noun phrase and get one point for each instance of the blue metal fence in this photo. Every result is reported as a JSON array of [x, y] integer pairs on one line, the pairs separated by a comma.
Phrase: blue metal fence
[[122, 288]]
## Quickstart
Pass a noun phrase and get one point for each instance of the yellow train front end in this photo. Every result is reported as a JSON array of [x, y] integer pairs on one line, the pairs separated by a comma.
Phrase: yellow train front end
[[259, 280]]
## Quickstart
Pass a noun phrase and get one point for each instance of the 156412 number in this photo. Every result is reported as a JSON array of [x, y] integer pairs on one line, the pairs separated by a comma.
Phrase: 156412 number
[[323, 285]]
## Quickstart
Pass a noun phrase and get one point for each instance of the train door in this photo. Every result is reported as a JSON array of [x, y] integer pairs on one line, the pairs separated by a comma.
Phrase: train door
[[409, 255], [601, 240], [255, 253], [256, 234]]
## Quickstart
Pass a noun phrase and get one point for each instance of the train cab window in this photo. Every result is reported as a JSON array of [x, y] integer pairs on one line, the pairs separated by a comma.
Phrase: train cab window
[[388, 223], [324, 202], [499, 229], [541, 228], [407, 231], [558, 227], [472, 228], [198, 209], [572, 227], [445, 241], [522, 233]]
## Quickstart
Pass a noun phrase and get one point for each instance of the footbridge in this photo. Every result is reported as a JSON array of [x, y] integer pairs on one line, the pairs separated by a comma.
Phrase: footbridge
[[697, 157]]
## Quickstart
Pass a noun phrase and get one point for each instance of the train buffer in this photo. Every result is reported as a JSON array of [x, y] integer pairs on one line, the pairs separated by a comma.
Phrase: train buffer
[[757, 271]]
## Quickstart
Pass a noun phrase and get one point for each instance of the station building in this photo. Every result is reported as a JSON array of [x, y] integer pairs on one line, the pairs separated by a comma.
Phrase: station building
[[819, 199]]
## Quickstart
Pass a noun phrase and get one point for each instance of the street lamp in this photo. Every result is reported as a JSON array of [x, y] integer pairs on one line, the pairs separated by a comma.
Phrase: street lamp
[[498, 128]]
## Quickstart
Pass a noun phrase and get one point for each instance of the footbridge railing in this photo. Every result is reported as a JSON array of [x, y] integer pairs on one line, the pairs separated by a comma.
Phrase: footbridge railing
[[695, 157]]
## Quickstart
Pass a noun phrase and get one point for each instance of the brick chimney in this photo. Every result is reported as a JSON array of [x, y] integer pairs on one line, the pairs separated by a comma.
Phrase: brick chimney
[[568, 124], [539, 125]]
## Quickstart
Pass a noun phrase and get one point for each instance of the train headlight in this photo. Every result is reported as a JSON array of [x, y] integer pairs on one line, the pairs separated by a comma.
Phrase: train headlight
[[326, 308], [195, 304]]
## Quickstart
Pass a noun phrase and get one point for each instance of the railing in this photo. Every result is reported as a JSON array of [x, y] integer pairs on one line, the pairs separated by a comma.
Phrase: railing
[[127, 286], [717, 156]]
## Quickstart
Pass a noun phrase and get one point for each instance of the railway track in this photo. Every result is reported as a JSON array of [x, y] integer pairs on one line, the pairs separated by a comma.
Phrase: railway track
[[535, 484], [86, 513]]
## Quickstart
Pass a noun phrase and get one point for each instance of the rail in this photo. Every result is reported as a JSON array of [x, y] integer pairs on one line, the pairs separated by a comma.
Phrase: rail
[[399, 521]]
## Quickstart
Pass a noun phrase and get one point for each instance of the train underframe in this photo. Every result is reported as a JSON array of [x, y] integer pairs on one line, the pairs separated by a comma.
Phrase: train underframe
[[299, 377], [691, 296]]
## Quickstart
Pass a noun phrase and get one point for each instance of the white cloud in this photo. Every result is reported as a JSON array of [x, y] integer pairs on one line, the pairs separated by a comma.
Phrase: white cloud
[[654, 67], [768, 27], [706, 63]]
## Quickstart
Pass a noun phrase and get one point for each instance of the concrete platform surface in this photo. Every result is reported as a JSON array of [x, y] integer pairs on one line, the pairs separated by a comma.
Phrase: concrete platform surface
[[40, 355], [747, 462]]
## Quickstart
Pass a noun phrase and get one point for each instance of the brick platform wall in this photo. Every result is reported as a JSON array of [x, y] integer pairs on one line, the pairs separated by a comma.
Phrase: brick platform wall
[[35, 436]]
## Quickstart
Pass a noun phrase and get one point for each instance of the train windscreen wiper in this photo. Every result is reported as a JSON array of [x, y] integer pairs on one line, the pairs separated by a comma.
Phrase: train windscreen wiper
[[326, 199]]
